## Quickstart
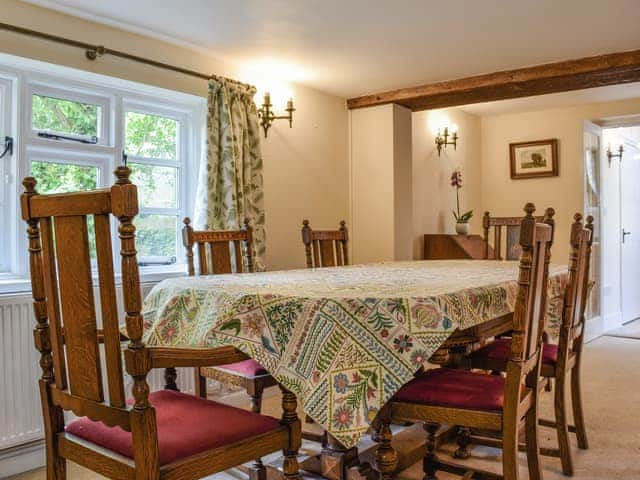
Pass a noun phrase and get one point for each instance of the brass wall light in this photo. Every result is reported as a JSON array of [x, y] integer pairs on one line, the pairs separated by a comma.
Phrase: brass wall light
[[611, 155], [266, 115], [442, 139]]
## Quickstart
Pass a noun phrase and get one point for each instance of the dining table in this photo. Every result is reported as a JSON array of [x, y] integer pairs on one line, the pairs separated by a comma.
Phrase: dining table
[[344, 340]]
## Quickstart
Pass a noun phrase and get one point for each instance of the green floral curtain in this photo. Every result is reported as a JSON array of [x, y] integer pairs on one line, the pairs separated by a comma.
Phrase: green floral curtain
[[230, 186]]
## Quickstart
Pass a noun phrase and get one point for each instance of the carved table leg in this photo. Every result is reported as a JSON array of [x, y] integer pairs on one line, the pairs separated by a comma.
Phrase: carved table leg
[[170, 377]]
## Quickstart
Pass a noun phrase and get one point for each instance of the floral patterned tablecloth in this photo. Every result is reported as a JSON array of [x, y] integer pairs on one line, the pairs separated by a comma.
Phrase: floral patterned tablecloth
[[344, 339]]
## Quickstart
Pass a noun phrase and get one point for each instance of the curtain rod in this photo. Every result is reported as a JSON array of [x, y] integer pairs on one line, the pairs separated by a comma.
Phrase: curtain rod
[[92, 52]]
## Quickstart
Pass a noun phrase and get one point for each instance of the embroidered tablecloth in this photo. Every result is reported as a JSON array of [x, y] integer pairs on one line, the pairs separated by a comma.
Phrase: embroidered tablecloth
[[343, 339]]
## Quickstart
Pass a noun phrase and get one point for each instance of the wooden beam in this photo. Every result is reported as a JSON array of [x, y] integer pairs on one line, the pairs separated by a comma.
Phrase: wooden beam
[[599, 71]]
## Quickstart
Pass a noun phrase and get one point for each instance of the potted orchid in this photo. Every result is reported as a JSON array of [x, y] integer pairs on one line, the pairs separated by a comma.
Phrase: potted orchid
[[462, 219]]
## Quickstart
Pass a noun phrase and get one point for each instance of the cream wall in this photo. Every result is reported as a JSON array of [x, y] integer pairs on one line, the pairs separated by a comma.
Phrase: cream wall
[[381, 201], [433, 196], [305, 168]]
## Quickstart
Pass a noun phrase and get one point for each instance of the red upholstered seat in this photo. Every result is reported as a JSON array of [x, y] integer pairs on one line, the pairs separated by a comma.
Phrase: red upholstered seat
[[446, 387], [500, 349], [246, 368], [187, 425]]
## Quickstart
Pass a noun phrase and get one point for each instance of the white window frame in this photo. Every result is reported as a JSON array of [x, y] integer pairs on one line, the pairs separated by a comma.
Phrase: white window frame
[[182, 152], [6, 174], [112, 95], [105, 102], [84, 159]]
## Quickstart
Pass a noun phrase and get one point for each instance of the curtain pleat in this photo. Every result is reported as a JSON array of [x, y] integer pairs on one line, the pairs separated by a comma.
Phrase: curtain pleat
[[230, 186]]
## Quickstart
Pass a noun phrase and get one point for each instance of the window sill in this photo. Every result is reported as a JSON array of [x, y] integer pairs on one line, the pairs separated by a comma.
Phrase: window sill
[[12, 284]]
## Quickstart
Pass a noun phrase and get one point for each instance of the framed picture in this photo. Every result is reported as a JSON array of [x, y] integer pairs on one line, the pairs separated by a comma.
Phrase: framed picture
[[534, 159]]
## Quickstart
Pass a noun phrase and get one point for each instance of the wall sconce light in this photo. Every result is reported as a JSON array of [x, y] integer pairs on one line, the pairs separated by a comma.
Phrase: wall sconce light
[[442, 139], [266, 115], [611, 155]]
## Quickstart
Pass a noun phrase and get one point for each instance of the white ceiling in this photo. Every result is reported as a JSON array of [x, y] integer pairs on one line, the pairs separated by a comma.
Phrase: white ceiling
[[355, 47]]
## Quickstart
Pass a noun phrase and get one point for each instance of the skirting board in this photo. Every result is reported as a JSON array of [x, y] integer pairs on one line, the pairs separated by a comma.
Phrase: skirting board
[[598, 326], [21, 458]]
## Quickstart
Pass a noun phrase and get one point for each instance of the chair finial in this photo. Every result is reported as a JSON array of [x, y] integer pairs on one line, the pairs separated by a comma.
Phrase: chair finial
[[122, 173], [29, 184], [305, 222], [549, 213], [577, 217], [529, 208], [186, 221]]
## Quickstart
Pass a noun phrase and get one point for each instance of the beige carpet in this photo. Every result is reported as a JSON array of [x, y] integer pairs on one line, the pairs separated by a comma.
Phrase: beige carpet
[[630, 330], [612, 404]]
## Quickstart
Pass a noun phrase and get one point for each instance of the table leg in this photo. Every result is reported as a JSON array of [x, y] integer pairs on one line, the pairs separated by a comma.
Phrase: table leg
[[335, 459]]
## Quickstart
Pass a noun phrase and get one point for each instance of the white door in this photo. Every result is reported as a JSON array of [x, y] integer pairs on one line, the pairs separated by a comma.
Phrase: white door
[[630, 234]]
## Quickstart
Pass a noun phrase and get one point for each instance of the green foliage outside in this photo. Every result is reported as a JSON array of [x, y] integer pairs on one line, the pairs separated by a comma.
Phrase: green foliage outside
[[65, 116], [62, 177], [156, 235], [151, 136]]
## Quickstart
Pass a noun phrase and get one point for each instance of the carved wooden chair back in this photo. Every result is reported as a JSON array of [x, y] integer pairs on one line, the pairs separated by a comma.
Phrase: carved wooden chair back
[[219, 251], [576, 293], [325, 248], [67, 333], [511, 228], [529, 314]]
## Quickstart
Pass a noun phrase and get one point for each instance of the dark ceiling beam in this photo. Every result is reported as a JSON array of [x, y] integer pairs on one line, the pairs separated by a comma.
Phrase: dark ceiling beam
[[589, 72]]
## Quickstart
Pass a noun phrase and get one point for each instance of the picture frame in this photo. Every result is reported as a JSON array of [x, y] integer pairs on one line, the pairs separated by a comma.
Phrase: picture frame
[[534, 159]]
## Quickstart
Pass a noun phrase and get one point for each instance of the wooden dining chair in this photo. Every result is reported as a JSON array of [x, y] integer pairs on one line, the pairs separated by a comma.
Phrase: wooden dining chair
[[157, 435], [511, 228], [479, 400], [560, 362], [325, 248], [224, 252]]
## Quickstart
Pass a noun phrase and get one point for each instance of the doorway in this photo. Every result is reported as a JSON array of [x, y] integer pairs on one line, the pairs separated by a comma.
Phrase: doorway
[[612, 196]]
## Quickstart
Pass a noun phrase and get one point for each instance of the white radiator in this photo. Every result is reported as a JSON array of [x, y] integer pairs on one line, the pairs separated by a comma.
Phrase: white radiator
[[20, 413]]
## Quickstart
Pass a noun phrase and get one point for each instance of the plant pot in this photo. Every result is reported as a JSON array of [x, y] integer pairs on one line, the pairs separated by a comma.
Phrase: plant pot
[[462, 228]]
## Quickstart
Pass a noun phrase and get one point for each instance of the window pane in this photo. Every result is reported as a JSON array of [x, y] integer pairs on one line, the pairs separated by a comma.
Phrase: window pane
[[63, 177], [156, 185], [65, 116], [156, 235], [151, 136]]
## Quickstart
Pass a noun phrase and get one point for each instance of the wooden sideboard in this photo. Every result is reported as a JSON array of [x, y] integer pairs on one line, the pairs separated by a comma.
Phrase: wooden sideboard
[[452, 247]]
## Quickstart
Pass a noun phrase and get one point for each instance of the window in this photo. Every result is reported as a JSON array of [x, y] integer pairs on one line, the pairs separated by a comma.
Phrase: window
[[49, 114], [70, 115], [55, 177], [152, 146], [74, 129]]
